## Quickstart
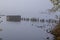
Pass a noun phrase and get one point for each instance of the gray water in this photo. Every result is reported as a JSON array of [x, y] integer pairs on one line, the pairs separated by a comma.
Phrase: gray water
[[24, 30]]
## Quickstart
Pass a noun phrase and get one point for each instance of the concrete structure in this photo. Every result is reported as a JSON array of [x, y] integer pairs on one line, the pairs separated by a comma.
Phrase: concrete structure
[[14, 18]]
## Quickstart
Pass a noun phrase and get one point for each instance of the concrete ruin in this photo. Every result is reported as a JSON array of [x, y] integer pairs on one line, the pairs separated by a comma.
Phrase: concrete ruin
[[13, 18]]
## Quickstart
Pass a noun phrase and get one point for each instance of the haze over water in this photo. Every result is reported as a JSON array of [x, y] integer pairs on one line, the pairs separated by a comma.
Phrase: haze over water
[[24, 30]]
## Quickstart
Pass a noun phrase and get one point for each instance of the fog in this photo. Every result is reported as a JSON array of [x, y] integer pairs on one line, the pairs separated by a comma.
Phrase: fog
[[24, 7], [23, 30]]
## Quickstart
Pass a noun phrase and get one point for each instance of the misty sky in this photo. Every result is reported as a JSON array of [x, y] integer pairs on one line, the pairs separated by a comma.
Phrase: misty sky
[[24, 7]]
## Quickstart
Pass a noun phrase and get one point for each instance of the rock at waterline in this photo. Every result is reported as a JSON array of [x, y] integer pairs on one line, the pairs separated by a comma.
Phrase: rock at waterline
[[56, 32], [0, 29], [0, 38]]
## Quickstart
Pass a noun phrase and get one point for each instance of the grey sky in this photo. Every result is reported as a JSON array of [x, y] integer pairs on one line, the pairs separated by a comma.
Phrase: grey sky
[[26, 8], [23, 7]]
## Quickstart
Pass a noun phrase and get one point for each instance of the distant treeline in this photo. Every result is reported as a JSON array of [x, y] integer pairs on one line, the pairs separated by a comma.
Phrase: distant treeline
[[18, 19], [40, 20]]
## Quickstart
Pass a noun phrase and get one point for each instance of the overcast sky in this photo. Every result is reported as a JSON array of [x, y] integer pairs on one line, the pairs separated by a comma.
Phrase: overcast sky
[[13, 31], [23, 7]]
